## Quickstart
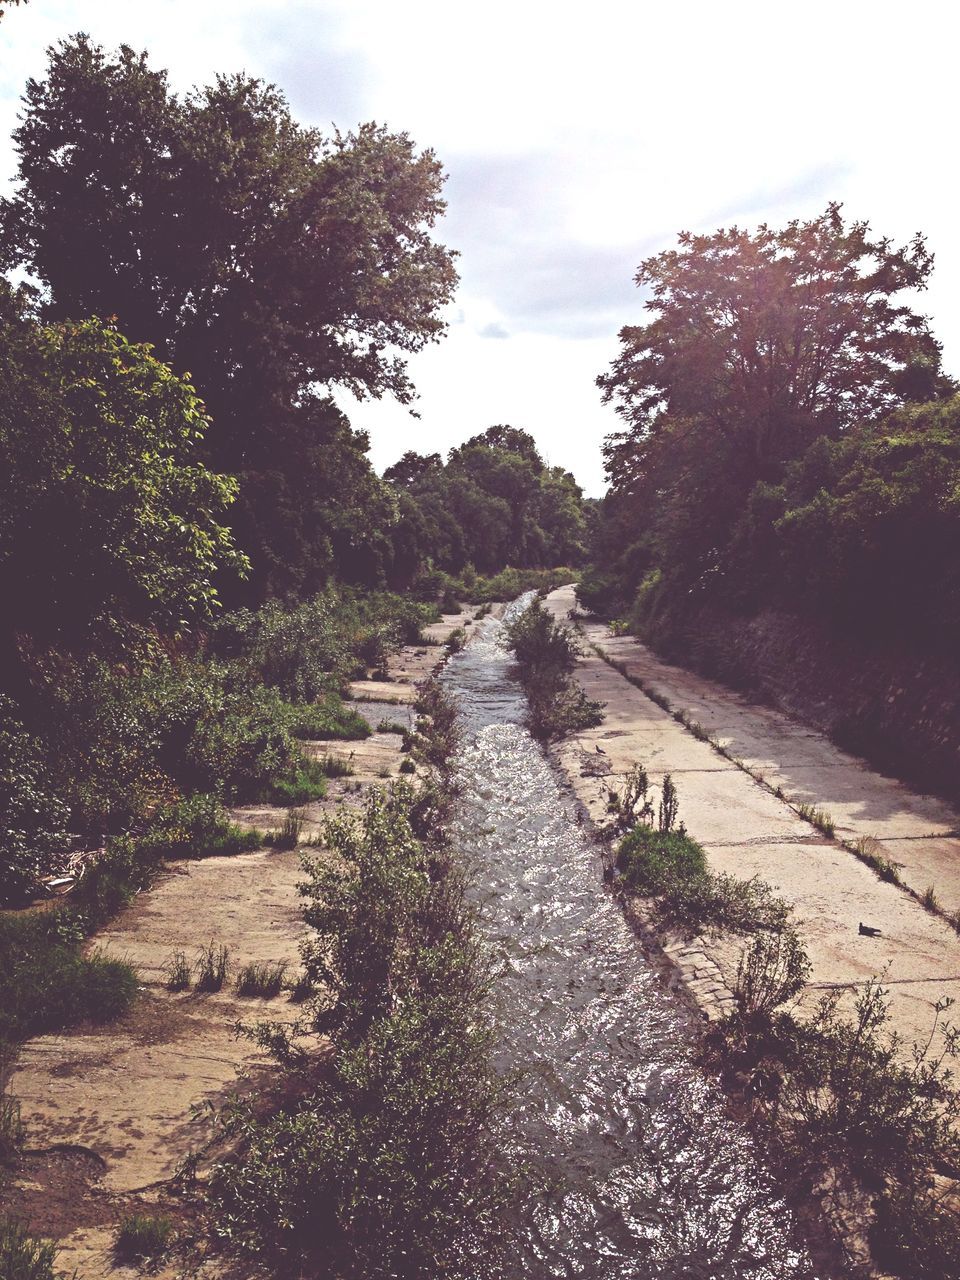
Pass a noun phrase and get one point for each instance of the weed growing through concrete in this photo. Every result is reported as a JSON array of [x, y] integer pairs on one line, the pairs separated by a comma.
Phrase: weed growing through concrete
[[818, 818], [211, 967], [22, 1256], [287, 835], [179, 972], [142, 1237], [264, 979]]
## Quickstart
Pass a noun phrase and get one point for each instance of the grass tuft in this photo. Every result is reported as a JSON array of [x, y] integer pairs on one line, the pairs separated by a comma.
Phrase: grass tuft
[[211, 967], [22, 1256], [261, 979], [141, 1237]]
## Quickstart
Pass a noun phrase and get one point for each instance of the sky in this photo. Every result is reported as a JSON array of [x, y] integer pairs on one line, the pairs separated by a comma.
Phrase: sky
[[579, 139]]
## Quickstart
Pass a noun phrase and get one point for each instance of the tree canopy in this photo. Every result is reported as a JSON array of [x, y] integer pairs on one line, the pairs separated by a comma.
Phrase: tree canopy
[[270, 262], [107, 515], [769, 356]]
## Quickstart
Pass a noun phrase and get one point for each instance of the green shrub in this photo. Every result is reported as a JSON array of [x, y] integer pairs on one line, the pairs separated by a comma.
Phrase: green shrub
[[547, 653], [142, 1236], [197, 827], [32, 819], [653, 862], [22, 1256], [389, 1165], [287, 835], [306, 782], [331, 718]]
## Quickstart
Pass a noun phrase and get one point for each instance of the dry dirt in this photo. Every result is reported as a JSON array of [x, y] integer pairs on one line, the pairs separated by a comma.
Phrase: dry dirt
[[110, 1111], [748, 831]]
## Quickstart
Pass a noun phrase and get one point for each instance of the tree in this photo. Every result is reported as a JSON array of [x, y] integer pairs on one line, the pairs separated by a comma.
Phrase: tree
[[769, 339], [108, 519], [271, 262], [759, 344]]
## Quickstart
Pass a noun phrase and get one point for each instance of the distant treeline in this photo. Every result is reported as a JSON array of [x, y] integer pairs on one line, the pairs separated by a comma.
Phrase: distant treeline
[[790, 442]]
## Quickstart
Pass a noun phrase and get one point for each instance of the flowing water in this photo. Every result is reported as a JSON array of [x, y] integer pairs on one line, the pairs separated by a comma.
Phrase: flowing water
[[644, 1173]]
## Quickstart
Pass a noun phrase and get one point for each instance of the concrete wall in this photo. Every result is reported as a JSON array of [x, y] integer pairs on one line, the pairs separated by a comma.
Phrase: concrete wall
[[900, 711]]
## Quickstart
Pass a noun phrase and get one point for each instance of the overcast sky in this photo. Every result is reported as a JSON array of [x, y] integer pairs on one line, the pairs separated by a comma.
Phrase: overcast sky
[[578, 139]]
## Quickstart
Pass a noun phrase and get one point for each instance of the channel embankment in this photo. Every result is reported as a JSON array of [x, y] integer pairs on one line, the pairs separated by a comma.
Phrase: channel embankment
[[741, 799], [113, 1112]]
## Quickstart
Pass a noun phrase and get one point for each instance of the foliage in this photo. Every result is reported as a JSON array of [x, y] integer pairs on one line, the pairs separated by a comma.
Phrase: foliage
[[848, 1095], [32, 818], [387, 1167], [104, 496], [22, 1256], [211, 967], [493, 503], [48, 984], [142, 1236], [547, 653], [270, 261], [261, 979], [789, 439]]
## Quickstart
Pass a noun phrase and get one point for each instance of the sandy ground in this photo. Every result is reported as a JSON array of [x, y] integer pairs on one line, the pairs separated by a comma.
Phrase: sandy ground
[[748, 831], [110, 1111]]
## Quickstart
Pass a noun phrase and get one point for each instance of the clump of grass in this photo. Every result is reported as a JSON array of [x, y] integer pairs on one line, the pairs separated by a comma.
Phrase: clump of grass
[[12, 1131], [456, 640], [142, 1236], [930, 900], [22, 1256], [196, 827], [287, 835], [391, 726], [302, 989], [211, 967], [335, 766], [866, 848], [179, 972], [818, 818], [306, 783], [261, 979], [407, 766]]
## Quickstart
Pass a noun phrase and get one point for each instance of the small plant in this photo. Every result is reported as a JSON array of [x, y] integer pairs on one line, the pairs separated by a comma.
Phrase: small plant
[[211, 967], [631, 806], [772, 970], [669, 806], [390, 726], [22, 1256], [302, 989], [12, 1132], [142, 1236], [178, 972], [307, 782], [407, 766], [383, 772], [818, 818], [287, 835], [930, 900], [456, 640], [261, 979], [335, 766]]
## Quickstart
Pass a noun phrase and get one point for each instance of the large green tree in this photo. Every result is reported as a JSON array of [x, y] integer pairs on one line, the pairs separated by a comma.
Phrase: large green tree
[[758, 344], [271, 262], [108, 518]]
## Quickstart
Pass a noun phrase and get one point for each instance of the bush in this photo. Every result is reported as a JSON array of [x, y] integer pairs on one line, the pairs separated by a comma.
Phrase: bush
[[388, 1166], [547, 653], [22, 1256], [264, 980], [197, 827], [653, 862], [32, 819], [48, 984]]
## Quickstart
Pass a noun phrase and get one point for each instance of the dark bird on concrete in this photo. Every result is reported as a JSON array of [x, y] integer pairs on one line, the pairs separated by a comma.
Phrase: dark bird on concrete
[[868, 930], [599, 749]]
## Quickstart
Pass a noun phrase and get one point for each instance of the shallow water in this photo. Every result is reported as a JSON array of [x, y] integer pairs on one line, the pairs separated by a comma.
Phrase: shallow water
[[646, 1175]]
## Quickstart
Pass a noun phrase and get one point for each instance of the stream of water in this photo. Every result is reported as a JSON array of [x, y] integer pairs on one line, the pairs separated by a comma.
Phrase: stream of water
[[645, 1173]]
